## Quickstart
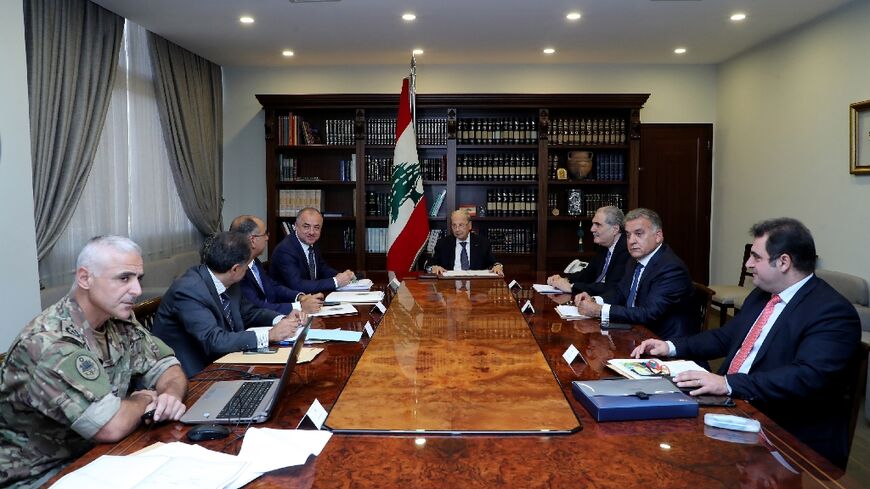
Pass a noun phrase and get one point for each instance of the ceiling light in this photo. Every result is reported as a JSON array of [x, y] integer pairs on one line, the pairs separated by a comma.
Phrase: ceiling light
[[408, 16], [549, 50], [287, 53], [417, 51], [246, 19], [680, 51], [573, 16], [738, 17]]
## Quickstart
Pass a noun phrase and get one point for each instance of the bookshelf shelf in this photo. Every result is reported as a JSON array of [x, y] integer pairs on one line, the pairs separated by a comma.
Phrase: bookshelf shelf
[[511, 182]]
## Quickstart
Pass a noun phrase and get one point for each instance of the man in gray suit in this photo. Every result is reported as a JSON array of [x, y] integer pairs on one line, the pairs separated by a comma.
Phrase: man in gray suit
[[204, 314]]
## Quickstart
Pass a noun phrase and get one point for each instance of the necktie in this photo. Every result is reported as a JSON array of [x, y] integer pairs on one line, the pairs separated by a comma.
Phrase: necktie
[[463, 256], [632, 293], [604, 270], [311, 268], [256, 270], [225, 304], [753, 335]]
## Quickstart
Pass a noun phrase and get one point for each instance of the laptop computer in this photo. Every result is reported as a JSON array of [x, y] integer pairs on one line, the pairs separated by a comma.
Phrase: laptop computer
[[244, 401]]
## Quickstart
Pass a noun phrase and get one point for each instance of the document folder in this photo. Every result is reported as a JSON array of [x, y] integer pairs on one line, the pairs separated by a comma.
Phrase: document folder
[[628, 399]]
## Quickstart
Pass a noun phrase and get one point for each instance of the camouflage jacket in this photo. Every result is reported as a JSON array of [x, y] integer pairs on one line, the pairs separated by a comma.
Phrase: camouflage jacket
[[57, 391]]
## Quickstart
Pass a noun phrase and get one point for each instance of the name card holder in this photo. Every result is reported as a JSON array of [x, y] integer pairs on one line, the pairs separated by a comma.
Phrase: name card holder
[[314, 417]]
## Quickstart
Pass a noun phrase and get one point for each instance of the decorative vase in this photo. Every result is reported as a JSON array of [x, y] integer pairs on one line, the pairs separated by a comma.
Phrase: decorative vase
[[579, 164]]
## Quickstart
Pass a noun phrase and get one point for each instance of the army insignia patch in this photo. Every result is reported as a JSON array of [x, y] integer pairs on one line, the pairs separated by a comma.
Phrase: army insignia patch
[[87, 367]]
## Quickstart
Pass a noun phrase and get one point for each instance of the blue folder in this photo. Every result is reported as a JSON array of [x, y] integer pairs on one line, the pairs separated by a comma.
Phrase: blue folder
[[629, 399]]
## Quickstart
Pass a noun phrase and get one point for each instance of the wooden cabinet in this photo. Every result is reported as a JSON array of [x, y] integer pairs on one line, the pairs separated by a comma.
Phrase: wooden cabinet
[[496, 153]]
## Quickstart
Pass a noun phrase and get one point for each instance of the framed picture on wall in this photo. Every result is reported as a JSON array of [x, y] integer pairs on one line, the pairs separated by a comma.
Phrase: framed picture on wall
[[859, 138]]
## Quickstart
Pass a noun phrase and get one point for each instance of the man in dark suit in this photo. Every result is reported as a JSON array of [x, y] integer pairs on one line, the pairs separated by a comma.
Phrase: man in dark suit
[[789, 351], [258, 286], [203, 315], [463, 250], [298, 264], [608, 266], [655, 291]]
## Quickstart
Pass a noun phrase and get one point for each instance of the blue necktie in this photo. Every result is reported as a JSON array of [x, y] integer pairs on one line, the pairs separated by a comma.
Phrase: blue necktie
[[225, 304], [256, 272], [604, 270], [634, 283], [463, 256]]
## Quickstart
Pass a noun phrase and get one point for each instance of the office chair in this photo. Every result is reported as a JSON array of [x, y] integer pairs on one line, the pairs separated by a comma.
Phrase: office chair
[[703, 298], [146, 312], [728, 296]]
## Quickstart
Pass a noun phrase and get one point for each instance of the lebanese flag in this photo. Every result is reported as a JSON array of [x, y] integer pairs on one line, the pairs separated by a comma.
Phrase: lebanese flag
[[409, 222]]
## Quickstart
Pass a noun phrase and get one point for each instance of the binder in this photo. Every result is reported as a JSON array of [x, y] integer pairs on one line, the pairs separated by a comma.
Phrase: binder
[[629, 399]]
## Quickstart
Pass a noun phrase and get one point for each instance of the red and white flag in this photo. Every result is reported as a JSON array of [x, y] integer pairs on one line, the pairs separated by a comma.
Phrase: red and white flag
[[409, 222]]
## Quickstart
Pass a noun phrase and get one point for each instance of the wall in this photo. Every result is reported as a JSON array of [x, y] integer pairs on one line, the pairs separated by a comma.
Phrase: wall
[[679, 94], [782, 142], [19, 290]]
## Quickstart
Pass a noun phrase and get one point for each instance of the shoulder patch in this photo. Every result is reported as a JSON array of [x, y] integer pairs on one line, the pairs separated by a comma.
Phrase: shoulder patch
[[87, 367]]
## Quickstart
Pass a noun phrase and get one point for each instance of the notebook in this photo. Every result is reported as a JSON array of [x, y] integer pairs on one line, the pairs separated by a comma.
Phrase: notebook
[[244, 401]]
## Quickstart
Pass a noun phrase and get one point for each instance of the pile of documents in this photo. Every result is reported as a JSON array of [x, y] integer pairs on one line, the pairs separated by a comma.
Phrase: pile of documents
[[569, 312], [642, 368], [363, 284], [356, 297]]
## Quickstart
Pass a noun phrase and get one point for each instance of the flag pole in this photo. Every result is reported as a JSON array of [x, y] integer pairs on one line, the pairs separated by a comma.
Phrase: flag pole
[[413, 88]]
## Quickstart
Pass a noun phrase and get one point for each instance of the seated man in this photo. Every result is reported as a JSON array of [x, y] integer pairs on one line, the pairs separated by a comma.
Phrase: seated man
[[463, 250], [608, 266], [259, 287], [655, 291], [84, 370], [788, 350], [204, 315], [299, 265]]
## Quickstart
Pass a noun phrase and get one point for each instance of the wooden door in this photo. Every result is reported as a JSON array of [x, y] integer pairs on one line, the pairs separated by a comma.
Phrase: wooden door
[[675, 179]]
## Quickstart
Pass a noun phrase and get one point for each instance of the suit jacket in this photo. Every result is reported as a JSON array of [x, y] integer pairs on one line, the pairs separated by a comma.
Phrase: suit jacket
[[584, 280], [191, 321], [271, 295], [480, 256], [665, 297], [803, 368], [289, 266]]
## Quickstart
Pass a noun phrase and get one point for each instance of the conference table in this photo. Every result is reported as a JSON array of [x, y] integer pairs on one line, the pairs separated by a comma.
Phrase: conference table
[[458, 388]]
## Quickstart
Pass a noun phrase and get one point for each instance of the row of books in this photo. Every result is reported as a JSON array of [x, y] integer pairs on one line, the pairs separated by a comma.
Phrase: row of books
[[291, 201], [581, 203], [586, 132], [339, 132], [431, 130], [512, 239], [288, 169], [376, 240], [511, 202], [496, 167], [377, 203], [380, 169], [606, 166], [293, 131], [500, 130]]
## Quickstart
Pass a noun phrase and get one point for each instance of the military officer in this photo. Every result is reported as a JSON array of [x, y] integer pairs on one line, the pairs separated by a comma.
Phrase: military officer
[[84, 370]]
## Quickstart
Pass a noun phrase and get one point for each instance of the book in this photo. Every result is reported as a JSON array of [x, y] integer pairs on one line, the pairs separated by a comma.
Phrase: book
[[646, 368], [569, 312], [437, 202]]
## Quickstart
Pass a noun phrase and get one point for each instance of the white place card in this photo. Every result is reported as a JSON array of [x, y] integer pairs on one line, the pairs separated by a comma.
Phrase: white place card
[[368, 329], [527, 306], [380, 306], [571, 354], [316, 414], [513, 284], [395, 284]]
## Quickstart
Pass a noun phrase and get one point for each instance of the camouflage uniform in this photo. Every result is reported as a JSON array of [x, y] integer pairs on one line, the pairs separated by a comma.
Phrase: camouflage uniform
[[61, 383]]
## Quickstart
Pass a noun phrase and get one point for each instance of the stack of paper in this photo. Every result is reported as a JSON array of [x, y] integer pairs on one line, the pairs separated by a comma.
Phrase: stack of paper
[[569, 312], [356, 297], [640, 368], [342, 309], [546, 289], [363, 284], [280, 358]]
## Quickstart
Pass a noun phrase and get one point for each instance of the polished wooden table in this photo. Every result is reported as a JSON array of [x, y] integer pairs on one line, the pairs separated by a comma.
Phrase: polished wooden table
[[473, 332]]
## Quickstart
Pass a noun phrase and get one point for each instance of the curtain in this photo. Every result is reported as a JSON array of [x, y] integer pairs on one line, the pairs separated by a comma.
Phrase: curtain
[[130, 191], [189, 97], [72, 50]]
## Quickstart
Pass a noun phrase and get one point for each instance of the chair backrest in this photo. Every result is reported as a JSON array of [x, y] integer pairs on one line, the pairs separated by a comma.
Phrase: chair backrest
[[703, 297], [743, 271], [146, 312], [859, 364]]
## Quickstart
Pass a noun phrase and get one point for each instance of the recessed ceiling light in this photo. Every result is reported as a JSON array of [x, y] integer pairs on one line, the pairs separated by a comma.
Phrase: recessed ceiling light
[[408, 16], [287, 53], [417, 51], [738, 17], [573, 16], [680, 51], [549, 50], [246, 19]]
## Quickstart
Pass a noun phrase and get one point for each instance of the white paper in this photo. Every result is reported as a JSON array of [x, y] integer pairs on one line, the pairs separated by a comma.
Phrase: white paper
[[368, 329], [356, 297], [569, 313], [363, 284], [330, 335], [342, 309], [270, 449], [468, 273], [381, 307], [571, 354], [546, 289]]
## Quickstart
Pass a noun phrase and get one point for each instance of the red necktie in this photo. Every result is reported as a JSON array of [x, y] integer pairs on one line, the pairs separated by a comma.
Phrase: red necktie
[[753, 335]]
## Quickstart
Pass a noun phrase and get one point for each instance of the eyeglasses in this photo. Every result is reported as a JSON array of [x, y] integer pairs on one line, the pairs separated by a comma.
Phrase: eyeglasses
[[266, 234]]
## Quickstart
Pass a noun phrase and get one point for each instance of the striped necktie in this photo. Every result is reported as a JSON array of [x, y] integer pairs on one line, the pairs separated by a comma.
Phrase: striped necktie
[[751, 337], [632, 293], [311, 268], [600, 278], [228, 313]]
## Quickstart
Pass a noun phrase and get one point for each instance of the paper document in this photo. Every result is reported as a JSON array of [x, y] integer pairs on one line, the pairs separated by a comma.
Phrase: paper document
[[546, 289], [468, 274], [280, 358], [642, 368], [356, 297], [331, 335], [342, 309], [363, 284], [569, 312], [270, 449]]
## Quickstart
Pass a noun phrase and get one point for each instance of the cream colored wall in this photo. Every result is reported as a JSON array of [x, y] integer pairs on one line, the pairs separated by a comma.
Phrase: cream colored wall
[[782, 142], [679, 94], [19, 289]]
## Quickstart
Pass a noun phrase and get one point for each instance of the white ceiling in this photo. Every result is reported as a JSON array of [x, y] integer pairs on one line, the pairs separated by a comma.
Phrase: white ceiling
[[468, 31]]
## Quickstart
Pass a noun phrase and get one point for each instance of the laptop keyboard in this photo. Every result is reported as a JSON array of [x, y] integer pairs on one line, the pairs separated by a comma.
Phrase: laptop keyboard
[[245, 401]]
